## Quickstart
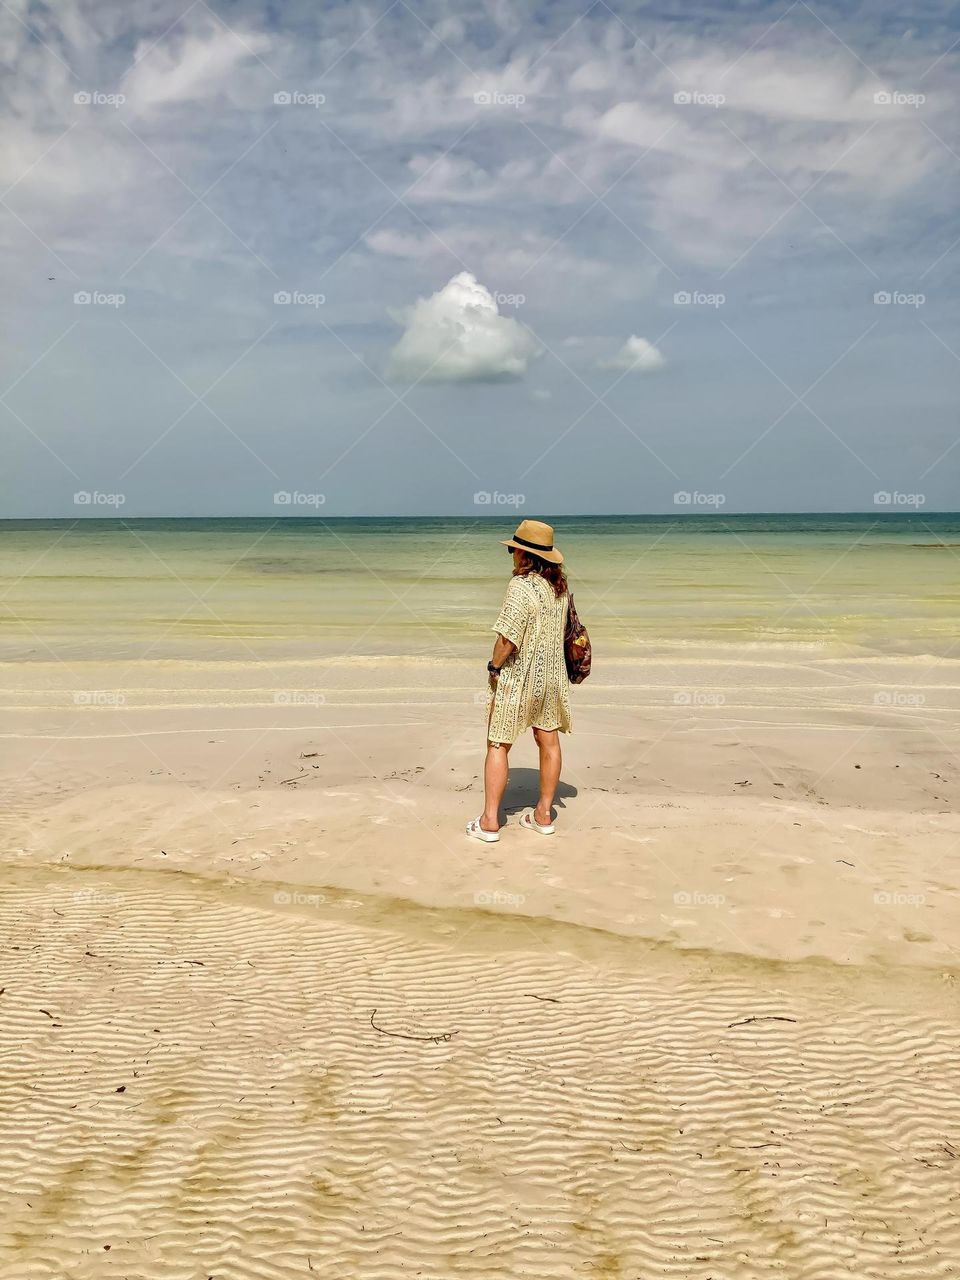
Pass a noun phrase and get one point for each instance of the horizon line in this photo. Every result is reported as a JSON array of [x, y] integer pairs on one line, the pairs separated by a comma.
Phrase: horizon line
[[457, 515]]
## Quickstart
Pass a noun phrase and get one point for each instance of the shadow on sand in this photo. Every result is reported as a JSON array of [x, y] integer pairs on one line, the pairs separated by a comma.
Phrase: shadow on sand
[[523, 791]]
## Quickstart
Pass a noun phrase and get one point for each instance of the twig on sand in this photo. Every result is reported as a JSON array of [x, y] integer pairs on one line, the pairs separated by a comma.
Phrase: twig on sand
[[530, 996], [761, 1017], [400, 1035]]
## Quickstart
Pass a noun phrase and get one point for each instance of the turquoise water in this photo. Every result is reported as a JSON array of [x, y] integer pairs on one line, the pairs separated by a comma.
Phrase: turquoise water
[[871, 583]]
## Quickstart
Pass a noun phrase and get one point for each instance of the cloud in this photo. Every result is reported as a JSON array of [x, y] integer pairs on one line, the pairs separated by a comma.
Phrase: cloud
[[795, 115], [194, 68], [458, 335], [399, 244], [637, 355]]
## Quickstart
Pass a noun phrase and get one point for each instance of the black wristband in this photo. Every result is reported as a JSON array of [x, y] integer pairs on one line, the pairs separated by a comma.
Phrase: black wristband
[[494, 671]]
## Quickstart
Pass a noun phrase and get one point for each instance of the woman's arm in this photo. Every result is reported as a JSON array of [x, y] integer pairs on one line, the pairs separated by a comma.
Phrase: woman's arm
[[502, 649]]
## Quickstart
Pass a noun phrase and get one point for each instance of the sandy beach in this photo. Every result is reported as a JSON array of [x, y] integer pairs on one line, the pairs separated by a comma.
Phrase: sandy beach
[[267, 1012], [350, 351]]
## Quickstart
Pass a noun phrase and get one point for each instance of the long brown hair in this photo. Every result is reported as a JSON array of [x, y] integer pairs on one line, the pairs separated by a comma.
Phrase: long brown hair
[[552, 573]]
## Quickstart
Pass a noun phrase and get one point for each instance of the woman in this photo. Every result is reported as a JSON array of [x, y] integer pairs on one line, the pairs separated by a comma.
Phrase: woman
[[528, 677]]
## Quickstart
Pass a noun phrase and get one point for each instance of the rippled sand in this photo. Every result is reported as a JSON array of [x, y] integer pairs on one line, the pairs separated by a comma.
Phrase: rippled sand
[[198, 1082]]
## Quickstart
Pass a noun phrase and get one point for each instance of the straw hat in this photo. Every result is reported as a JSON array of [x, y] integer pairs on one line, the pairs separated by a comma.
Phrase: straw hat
[[535, 536]]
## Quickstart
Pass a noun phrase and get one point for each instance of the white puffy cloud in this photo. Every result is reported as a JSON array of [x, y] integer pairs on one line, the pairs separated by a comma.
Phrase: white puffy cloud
[[458, 335], [637, 355]]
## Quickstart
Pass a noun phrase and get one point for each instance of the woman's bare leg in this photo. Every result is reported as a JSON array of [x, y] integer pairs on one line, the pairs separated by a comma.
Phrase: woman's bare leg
[[496, 770], [551, 761]]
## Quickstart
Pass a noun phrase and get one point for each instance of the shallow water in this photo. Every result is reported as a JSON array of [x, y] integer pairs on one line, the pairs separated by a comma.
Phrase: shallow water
[[238, 588]]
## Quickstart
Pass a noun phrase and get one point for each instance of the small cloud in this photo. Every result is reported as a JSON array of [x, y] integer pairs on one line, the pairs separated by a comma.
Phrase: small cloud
[[458, 335], [193, 69], [396, 244], [637, 355]]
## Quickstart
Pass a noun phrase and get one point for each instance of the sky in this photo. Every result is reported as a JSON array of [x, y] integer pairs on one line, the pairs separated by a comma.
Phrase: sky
[[269, 258]]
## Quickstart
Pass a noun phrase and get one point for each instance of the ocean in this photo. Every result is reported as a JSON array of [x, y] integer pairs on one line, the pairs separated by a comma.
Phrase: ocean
[[859, 584]]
